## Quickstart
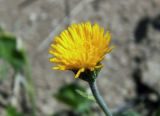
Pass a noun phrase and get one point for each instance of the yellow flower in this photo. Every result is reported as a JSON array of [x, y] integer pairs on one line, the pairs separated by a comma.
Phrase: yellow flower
[[80, 47]]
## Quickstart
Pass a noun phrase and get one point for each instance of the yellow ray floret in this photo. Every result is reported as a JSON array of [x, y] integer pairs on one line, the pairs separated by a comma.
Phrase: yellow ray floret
[[80, 47]]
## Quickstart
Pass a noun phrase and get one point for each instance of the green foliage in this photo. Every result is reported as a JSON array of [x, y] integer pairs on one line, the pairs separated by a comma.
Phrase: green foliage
[[68, 95], [157, 113], [12, 111], [17, 58], [3, 71], [1, 30], [128, 113], [84, 94], [9, 51]]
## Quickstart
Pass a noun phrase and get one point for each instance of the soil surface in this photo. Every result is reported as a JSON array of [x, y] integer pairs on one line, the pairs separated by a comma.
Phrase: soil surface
[[135, 32]]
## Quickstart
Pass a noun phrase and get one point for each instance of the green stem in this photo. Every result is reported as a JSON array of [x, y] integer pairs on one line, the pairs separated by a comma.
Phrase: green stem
[[99, 99]]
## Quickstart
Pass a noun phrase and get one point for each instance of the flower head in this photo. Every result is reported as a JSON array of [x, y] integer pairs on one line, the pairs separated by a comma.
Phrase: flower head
[[80, 47]]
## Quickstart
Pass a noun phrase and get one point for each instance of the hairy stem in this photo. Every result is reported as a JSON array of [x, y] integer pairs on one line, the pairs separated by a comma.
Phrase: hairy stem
[[99, 99]]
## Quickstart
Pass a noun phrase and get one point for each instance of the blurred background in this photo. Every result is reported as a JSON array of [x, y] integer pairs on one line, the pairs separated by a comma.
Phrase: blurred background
[[129, 80]]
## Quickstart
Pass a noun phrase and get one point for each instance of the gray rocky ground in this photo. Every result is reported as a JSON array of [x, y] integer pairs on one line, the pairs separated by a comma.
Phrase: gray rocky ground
[[37, 21]]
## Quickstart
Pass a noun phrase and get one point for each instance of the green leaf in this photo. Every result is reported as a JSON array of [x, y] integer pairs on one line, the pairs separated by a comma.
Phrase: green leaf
[[129, 113], [85, 95], [157, 113], [1, 30], [9, 52], [12, 111], [3, 71], [68, 95], [12, 53]]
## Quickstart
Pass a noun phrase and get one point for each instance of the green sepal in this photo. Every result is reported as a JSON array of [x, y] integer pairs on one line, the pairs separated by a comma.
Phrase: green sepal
[[89, 75]]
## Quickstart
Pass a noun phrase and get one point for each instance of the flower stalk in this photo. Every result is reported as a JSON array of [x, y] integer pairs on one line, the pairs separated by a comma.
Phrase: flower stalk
[[99, 99]]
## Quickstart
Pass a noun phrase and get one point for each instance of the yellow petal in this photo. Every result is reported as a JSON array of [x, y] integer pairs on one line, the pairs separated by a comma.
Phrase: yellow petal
[[79, 47], [79, 72]]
